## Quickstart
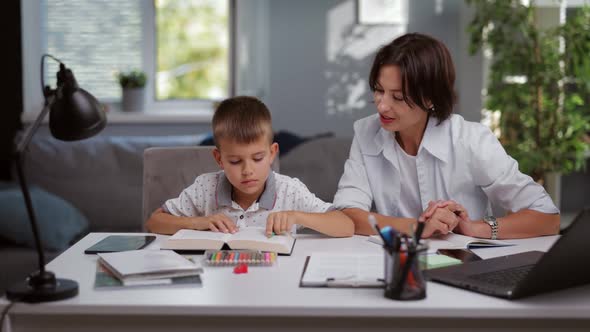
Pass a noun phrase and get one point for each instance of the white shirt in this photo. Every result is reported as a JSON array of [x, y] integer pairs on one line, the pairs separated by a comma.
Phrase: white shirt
[[409, 200], [211, 194], [457, 160]]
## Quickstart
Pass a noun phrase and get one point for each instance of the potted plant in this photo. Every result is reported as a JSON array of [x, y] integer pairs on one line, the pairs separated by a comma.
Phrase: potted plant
[[538, 85], [133, 88]]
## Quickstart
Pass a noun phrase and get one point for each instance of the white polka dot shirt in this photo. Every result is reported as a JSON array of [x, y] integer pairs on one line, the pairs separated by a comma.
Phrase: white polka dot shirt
[[211, 194]]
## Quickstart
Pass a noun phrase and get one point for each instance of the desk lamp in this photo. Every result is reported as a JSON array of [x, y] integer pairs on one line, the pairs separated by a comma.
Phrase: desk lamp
[[74, 114]]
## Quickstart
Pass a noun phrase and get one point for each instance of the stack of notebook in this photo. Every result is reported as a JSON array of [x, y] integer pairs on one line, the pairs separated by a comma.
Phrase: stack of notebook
[[145, 267]]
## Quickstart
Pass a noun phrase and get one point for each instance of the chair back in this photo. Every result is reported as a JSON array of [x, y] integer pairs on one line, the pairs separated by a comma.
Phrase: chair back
[[169, 170]]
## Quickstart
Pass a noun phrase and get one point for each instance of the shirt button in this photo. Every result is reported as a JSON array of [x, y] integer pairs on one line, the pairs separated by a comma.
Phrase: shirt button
[[242, 216]]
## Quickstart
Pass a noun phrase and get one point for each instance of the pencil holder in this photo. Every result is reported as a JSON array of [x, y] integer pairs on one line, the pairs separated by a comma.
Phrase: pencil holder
[[404, 277]]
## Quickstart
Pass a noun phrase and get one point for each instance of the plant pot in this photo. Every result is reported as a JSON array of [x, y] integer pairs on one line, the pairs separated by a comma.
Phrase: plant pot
[[133, 99]]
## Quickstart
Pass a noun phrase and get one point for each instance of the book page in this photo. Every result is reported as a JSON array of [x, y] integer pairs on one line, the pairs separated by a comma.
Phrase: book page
[[188, 234], [344, 270], [255, 238], [190, 239], [471, 242]]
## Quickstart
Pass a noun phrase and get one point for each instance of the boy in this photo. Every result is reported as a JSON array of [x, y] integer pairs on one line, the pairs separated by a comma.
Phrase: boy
[[246, 192]]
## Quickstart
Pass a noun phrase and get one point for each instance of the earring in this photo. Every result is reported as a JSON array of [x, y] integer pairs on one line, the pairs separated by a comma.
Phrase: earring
[[431, 109]]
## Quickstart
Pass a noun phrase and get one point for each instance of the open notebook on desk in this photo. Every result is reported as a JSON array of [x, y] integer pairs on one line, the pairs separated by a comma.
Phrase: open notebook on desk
[[343, 270], [454, 241], [251, 238]]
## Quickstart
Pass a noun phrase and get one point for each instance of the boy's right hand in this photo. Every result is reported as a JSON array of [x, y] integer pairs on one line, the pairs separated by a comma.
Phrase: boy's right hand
[[220, 223]]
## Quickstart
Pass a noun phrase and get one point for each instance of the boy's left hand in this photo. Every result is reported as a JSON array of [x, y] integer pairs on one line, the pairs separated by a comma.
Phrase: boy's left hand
[[280, 222]]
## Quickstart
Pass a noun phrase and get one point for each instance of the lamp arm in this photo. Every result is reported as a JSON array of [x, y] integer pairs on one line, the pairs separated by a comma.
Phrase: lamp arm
[[30, 211], [22, 145], [19, 153]]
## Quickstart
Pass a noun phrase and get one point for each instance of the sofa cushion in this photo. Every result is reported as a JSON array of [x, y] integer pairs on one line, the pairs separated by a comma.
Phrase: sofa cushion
[[59, 222], [102, 176]]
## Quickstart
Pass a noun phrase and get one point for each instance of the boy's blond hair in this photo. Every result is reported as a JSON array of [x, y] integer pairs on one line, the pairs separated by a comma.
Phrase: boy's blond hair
[[241, 119]]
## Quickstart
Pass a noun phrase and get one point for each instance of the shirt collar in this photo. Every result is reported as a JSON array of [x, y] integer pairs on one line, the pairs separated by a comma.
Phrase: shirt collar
[[266, 201], [436, 140]]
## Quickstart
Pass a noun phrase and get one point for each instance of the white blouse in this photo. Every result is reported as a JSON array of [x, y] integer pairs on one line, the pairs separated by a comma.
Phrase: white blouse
[[457, 160], [211, 194]]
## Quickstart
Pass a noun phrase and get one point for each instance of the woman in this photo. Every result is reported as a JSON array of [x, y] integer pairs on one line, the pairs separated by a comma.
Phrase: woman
[[415, 160]]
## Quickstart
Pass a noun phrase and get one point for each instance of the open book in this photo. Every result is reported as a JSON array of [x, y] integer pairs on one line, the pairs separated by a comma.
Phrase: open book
[[454, 241], [136, 266], [251, 238]]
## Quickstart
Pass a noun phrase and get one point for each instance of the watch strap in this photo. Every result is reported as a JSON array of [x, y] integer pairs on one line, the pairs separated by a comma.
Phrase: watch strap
[[493, 222]]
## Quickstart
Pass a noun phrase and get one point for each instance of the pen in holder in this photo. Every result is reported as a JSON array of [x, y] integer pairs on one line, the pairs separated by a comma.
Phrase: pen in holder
[[404, 278]]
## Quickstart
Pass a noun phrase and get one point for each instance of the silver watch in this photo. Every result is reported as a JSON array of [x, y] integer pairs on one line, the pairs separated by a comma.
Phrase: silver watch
[[491, 220]]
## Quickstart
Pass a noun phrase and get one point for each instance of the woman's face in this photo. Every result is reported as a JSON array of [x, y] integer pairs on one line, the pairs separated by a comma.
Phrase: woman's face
[[394, 113]]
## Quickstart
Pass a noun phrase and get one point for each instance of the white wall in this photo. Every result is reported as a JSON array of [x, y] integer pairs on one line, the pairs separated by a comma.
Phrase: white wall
[[319, 60]]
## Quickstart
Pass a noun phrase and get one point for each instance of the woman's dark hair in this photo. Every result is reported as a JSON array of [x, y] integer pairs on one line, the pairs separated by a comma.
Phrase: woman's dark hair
[[427, 72]]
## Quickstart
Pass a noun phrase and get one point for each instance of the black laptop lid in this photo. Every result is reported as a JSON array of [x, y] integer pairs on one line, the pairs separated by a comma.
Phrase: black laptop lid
[[565, 264]]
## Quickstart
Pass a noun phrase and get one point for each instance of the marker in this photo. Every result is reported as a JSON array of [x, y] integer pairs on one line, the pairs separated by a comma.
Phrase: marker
[[387, 234], [373, 223]]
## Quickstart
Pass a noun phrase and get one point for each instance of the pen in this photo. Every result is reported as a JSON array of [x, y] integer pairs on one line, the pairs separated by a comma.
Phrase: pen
[[388, 234], [411, 256], [373, 223], [418, 234]]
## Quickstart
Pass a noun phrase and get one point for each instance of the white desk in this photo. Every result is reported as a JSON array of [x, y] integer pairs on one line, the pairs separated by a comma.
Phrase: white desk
[[270, 299]]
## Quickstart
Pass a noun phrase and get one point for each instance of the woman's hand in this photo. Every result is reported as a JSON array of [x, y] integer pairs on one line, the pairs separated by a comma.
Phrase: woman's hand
[[441, 217]]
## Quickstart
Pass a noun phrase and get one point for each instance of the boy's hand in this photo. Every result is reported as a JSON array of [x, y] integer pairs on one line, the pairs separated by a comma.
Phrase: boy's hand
[[280, 222], [220, 223]]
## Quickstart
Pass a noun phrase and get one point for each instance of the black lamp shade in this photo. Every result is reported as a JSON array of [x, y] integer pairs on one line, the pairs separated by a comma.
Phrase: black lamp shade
[[76, 115]]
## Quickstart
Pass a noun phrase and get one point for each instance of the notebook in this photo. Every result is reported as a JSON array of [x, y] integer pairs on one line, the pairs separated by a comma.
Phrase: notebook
[[105, 279], [133, 266], [343, 270], [454, 241], [528, 273], [250, 238]]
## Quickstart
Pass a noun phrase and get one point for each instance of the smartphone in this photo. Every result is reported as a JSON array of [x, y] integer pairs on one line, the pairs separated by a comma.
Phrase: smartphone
[[464, 255], [114, 243]]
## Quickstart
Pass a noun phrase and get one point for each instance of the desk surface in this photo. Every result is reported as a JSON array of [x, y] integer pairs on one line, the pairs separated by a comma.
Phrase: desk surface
[[274, 291]]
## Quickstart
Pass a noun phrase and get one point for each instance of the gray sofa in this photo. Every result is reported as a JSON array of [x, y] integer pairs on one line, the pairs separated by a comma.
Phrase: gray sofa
[[102, 177]]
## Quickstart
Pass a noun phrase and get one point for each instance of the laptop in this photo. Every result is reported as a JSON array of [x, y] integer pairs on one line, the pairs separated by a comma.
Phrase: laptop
[[528, 273]]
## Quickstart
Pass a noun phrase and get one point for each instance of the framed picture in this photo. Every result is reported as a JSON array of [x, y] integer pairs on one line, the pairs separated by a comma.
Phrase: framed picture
[[382, 12]]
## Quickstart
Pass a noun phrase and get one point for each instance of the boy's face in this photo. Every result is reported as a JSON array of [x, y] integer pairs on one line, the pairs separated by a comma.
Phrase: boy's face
[[246, 166]]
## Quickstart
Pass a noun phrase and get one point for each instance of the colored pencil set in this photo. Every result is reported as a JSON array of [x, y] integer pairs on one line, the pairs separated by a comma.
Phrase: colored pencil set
[[235, 257]]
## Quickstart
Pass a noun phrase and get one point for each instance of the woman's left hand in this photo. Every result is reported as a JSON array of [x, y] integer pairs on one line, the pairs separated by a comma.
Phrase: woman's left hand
[[440, 214], [465, 226]]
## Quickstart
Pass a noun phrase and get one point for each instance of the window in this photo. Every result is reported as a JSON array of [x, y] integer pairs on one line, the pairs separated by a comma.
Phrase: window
[[192, 49], [184, 46]]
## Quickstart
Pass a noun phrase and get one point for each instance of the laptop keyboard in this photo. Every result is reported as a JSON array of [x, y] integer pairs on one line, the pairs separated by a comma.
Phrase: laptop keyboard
[[504, 278]]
